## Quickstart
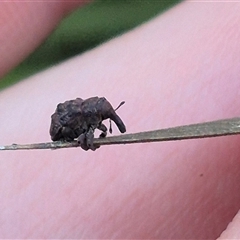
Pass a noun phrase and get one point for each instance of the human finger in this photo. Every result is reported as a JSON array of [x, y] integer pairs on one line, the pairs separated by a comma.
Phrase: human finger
[[186, 189], [25, 25]]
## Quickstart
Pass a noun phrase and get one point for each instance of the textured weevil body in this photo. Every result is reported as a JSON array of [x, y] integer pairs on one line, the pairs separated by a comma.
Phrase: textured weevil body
[[79, 118]]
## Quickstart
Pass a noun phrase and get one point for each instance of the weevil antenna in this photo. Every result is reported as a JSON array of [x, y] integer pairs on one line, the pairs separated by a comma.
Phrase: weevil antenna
[[119, 105]]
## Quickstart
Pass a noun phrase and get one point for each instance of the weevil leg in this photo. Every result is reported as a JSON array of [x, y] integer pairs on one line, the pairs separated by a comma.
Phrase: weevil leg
[[86, 140], [103, 128], [89, 139], [68, 134], [82, 141]]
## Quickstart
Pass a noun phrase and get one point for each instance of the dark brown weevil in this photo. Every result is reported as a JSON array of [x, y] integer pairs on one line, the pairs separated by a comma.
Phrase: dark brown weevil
[[79, 118]]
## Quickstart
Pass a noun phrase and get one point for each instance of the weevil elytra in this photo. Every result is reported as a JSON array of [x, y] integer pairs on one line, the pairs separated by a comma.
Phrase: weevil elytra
[[79, 118]]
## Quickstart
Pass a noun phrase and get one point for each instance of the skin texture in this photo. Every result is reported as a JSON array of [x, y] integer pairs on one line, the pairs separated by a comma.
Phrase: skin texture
[[180, 68]]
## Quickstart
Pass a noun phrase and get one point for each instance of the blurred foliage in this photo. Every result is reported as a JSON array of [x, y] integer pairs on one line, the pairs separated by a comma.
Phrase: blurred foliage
[[86, 28]]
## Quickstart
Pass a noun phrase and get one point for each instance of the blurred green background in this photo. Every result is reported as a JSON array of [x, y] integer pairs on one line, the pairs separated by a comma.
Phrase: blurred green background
[[86, 28]]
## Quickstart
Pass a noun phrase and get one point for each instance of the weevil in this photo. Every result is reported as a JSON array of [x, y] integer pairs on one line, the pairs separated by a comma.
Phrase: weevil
[[78, 119]]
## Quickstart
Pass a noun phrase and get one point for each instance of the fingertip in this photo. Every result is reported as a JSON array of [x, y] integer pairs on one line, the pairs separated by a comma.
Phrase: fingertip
[[24, 25]]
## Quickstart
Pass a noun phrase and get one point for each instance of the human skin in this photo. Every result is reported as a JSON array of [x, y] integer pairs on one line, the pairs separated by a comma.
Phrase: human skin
[[182, 67]]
